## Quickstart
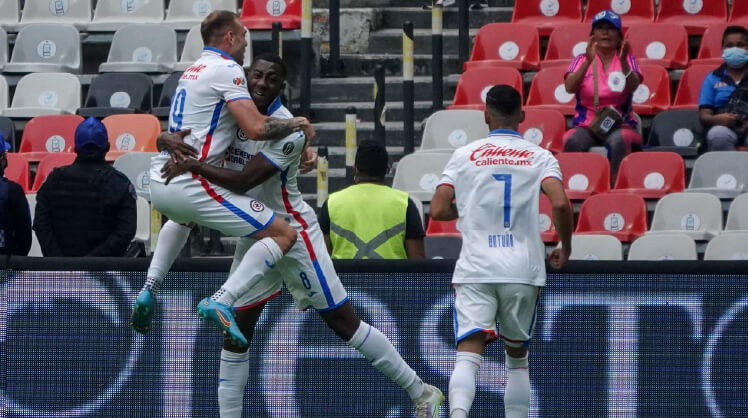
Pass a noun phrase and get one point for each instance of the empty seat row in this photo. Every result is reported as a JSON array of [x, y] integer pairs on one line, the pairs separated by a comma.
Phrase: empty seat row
[[111, 15], [696, 15]]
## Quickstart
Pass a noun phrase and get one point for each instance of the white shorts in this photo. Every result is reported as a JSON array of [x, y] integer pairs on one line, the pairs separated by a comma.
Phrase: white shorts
[[186, 200], [306, 270], [479, 306]]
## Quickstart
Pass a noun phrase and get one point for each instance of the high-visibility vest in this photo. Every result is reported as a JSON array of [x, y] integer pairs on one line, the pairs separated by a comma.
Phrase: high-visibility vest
[[368, 221]]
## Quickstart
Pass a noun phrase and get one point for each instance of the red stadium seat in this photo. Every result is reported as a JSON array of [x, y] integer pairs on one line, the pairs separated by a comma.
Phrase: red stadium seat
[[695, 15], [622, 215], [260, 14], [632, 12], [515, 45], [651, 175], [566, 42], [448, 228], [547, 91], [18, 170], [664, 44], [49, 163], [544, 127], [49, 133], [584, 173], [546, 15], [710, 48], [653, 95], [474, 84], [689, 87], [738, 13], [131, 133], [548, 231]]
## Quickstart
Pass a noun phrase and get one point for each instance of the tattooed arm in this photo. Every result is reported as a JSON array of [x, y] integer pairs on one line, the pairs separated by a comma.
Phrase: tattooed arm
[[262, 128]]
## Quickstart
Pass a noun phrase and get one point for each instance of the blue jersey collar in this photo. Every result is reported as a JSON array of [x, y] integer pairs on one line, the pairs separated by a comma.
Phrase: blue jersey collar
[[274, 106], [504, 132], [219, 52]]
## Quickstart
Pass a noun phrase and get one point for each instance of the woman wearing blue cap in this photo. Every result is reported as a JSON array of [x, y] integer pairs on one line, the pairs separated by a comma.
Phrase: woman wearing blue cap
[[613, 79]]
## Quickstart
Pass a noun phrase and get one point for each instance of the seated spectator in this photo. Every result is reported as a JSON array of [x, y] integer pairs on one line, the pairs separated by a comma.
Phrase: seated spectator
[[618, 77], [87, 208], [726, 128], [15, 217], [371, 219]]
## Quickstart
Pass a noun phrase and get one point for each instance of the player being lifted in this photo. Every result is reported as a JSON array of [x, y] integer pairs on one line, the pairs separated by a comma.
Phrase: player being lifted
[[211, 99], [268, 172], [494, 183]]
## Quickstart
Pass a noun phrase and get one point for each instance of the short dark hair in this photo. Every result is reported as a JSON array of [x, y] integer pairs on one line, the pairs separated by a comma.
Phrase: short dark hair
[[504, 102], [372, 159], [732, 30], [275, 59], [215, 25]]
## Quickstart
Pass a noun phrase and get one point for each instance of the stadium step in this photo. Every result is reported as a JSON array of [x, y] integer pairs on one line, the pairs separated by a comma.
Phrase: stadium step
[[335, 112], [333, 133], [364, 64], [394, 17], [388, 40], [361, 88]]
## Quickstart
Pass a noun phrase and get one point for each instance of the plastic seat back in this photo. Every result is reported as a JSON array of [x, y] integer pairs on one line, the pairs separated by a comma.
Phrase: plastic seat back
[[36, 249], [49, 163], [74, 12], [136, 166], [699, 215], [732, 246], [695, 15], [546, 15], [722, 173], [46, 47], [260, 14], [547, 90], [738, 13], [148, 47], [475, 83], [689, 87], [3, 48], [737, 217], [566, 42], [545, 220], [442, 246], [443, 228], [544, 127], [653, 247], [651, 174], [184, 14], [143, 224], [515, 45], [631, 12], [10, 11], [595, 248], [663, 44], [49, 134], [584, 173], [118, 93], [451, 129], [623, 216], [112, 15], [710, 47], [163, 105], [419, 173], [678, 131], [653, 94], [193, 48], [128, 133], [44, 94], [18, 170], [4, 95]]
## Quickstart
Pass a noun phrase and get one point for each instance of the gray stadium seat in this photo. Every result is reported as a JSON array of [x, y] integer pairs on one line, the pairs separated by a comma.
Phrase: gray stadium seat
[[722, 173], [45, 94], [118, 93], [655, 247], [677, 130], [595, 247], [451, 129], [36, 249], [737, 217], [698, 215], [3, 49], [74, 12], [441, 246], [147, 48], [48, 48], [163, 105], [112, 15], [136, 166], [184, 14], [419, 173], [9, 14], [193, 48], [143, 225], [728, 246], [4, 95]]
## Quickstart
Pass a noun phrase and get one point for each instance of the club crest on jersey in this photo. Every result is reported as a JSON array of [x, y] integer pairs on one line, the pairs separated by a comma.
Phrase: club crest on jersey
[[256, 206], [239, 81], [240, 135], [288, 148]]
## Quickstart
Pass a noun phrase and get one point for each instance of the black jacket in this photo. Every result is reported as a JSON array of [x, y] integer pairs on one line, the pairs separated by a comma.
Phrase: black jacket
[[15, 219]]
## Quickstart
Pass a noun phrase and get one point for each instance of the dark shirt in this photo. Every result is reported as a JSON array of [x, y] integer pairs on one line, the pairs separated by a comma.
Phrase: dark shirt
[[413, 223], [85, 209], [17, 219]]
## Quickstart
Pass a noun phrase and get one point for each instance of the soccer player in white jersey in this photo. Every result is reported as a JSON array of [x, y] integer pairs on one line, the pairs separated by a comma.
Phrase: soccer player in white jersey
[[268, 171], [211, 99], [491, 187]]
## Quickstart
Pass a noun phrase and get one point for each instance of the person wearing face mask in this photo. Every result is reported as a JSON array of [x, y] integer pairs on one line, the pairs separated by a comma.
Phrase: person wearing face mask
[[726, 128]]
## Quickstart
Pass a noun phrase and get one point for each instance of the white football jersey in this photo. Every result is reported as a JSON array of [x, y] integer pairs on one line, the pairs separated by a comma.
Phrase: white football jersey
[[280, 192], [199, 103], [497, 184]]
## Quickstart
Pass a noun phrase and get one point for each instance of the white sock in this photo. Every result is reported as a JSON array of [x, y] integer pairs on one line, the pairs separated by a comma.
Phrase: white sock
[[379, 351], [261, 257], [232, 378], [171, 239], [517, 392], [462, 383], [242, 246]]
